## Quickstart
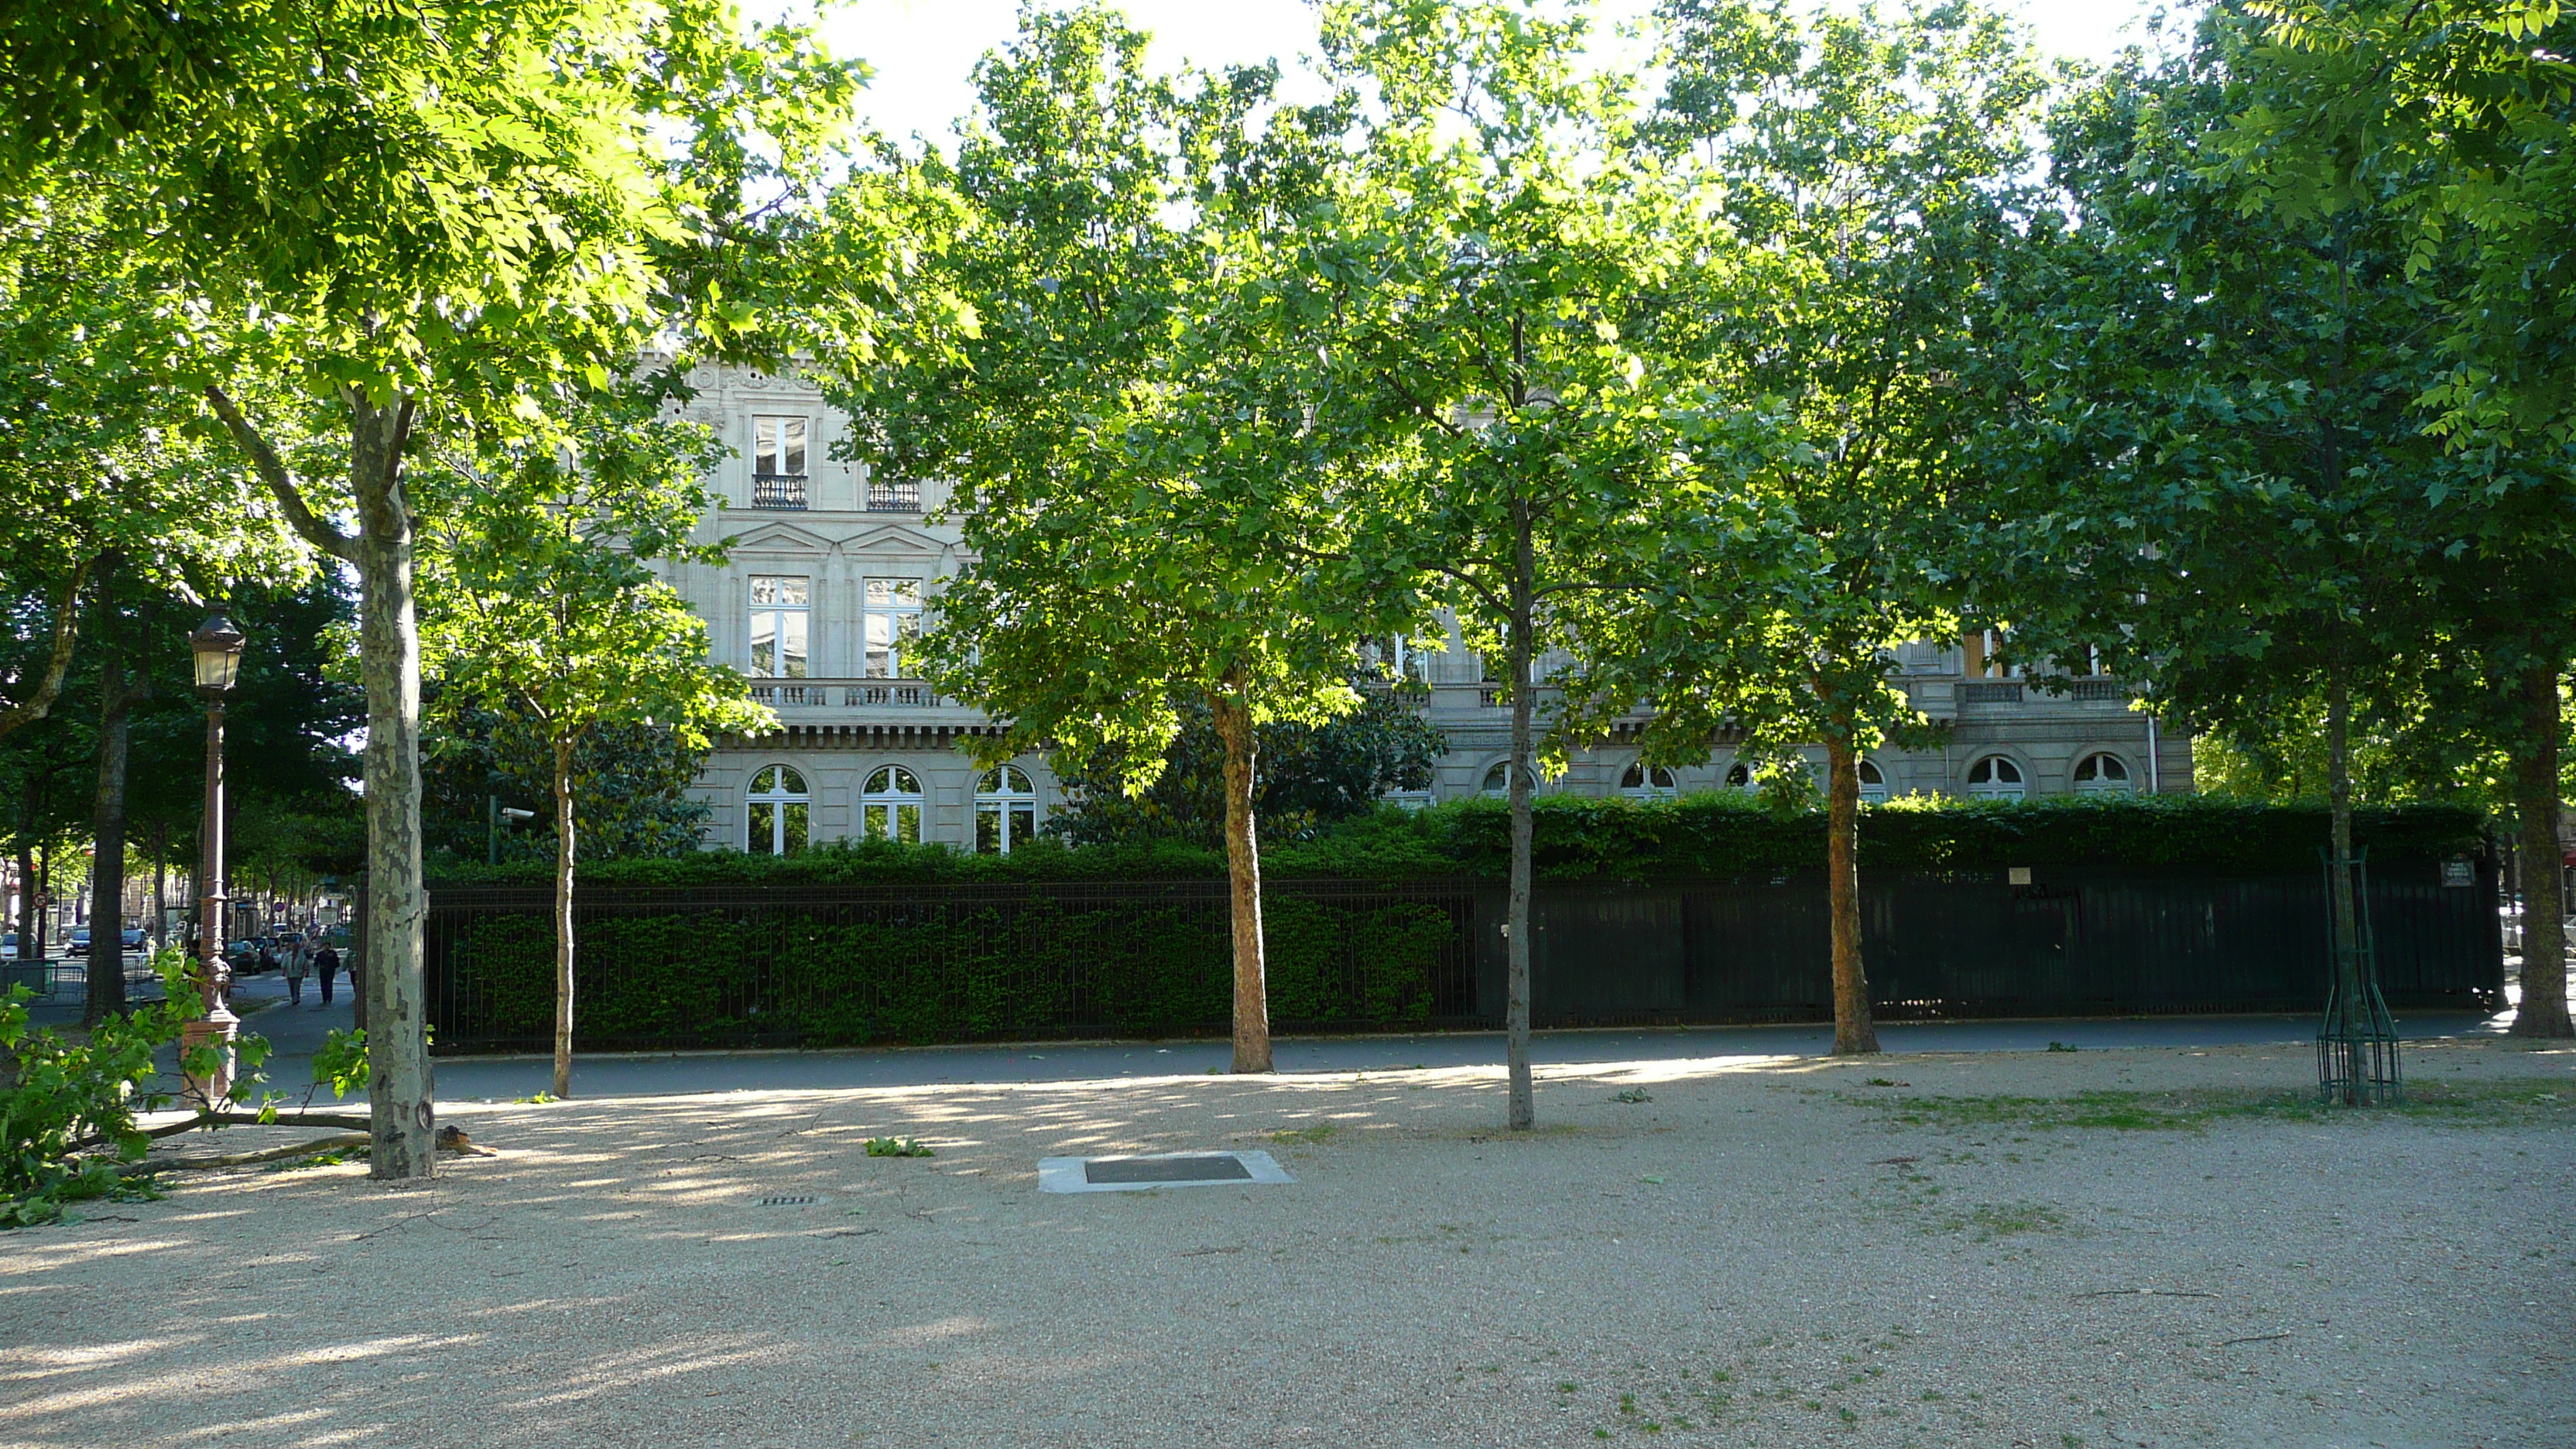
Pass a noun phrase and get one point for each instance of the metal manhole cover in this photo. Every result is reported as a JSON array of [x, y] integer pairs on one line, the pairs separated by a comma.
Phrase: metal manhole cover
[[1146, 1172], [1167, 1169], [790, 1200]]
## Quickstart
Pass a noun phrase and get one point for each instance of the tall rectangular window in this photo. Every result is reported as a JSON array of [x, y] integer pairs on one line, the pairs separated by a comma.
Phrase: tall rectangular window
[[778, 627], [778, 447], [892, 620]]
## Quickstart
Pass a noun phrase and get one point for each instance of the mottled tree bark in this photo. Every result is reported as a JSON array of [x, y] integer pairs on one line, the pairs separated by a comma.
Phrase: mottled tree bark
[[107, 816], [1243, 879], [2543, 1010], [1855, 1032], [400, 1087], [563, 917], [393, 1003], [1523, 774]]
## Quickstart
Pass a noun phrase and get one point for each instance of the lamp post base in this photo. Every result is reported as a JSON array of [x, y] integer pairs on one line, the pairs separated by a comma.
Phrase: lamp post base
[[222, 1028]]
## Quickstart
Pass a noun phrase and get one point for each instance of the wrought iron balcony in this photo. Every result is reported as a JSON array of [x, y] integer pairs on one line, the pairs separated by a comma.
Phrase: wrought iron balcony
[[1990, 691], [2101, 689], [885, 496], [778, 490]]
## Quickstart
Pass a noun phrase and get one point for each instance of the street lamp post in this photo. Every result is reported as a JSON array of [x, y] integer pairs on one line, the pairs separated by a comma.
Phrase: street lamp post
[[217, 646]]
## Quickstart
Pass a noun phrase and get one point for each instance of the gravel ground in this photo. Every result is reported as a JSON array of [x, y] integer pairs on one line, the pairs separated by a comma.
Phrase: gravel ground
[[1768, 1251]]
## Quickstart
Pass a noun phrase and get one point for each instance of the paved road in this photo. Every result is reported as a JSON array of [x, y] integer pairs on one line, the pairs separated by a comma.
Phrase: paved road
[[295, 1032]]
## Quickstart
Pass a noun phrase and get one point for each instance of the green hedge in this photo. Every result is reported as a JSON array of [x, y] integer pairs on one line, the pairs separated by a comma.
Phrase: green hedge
[[1028, 969], [1580, 838]]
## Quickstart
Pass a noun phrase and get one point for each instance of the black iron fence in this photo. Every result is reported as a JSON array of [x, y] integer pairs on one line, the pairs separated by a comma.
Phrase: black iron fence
[[2067, 941], [847, 965]]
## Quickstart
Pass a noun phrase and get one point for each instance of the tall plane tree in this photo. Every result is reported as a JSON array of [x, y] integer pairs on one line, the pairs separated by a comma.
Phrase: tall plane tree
[[2223, 484], [411, 224], [2454, 123], [545, 610], [1871, 169], [1500, 299], [1126, 544]]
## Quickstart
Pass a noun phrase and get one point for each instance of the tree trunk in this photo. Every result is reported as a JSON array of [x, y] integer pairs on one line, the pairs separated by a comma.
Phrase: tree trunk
[[2543, 1011], [1854, 1031], [563, 917], [160, 884], [1523, 775], [28, 894], [107, 817], [1243, 877], [357, 962], [2347, 916], [400, 1089]]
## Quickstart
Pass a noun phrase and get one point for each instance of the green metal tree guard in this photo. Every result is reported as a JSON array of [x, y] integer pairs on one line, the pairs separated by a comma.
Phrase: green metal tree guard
[[2357, 1062]]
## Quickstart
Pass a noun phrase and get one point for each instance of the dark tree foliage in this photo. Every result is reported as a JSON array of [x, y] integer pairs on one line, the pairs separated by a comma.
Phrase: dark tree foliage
[[1306, 777], [632, 797]]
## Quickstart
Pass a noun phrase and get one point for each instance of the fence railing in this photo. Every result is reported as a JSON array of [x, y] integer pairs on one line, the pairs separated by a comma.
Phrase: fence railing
[[778, 490], [822, 965]]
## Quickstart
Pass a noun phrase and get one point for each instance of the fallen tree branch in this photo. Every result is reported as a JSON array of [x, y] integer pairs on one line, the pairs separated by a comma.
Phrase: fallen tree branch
[[344, 1120], [350, 1121], [337, 1143]]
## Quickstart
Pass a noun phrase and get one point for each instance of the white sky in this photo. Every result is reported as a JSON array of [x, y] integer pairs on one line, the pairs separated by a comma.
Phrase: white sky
[[923, 49]]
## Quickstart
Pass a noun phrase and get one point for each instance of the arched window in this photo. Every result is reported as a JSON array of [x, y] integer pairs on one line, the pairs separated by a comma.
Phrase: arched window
[[890, 807], [2101, 775], [1640, 782], [1739, 776], [1873, 785], [778, 802], [1498, 780], [1994, 778], [1006, 810]]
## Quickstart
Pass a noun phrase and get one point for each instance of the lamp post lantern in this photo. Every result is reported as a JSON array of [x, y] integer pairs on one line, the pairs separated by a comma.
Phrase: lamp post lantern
[[217, 646]]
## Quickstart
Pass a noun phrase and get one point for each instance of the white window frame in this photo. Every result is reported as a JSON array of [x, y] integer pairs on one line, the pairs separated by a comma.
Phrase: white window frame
[[781, 799], [1993, 787], [1005, 795], [787, 615], [889, 623], [1872, 792], [2125, 784], [1642, 782], [776, 440], [892, 805]]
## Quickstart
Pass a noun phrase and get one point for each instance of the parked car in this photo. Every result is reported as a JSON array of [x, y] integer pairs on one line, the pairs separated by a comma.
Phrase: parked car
[[9, 947], [80, 941], [133, 938]]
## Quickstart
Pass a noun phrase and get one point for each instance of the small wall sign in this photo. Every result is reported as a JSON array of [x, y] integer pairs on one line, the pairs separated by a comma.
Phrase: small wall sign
[[2017, 875], [2457, 871]]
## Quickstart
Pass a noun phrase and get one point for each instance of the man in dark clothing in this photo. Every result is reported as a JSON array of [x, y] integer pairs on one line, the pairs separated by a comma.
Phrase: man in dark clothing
[[326, 964]]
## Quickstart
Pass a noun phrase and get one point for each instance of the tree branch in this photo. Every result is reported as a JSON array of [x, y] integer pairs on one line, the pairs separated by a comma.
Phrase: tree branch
[[57, 664], [272, 471]]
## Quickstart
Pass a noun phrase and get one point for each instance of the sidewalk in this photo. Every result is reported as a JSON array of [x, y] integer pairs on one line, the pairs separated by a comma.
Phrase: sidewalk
[[670, 1073]]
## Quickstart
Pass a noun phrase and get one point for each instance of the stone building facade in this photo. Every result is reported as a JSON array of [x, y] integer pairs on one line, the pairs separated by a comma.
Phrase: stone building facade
[[831, 570]]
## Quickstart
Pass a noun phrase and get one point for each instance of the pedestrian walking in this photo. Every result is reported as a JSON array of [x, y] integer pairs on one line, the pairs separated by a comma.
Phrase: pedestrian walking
[[326, 964], [296, 966]]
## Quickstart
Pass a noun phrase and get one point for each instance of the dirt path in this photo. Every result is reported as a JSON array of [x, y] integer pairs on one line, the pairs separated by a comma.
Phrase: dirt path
[[1763, 1252]]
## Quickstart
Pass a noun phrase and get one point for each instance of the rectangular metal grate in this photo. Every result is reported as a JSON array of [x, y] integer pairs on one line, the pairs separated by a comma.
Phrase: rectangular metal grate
[[1152, 1172], [1168, 1169], [787, 1201]]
